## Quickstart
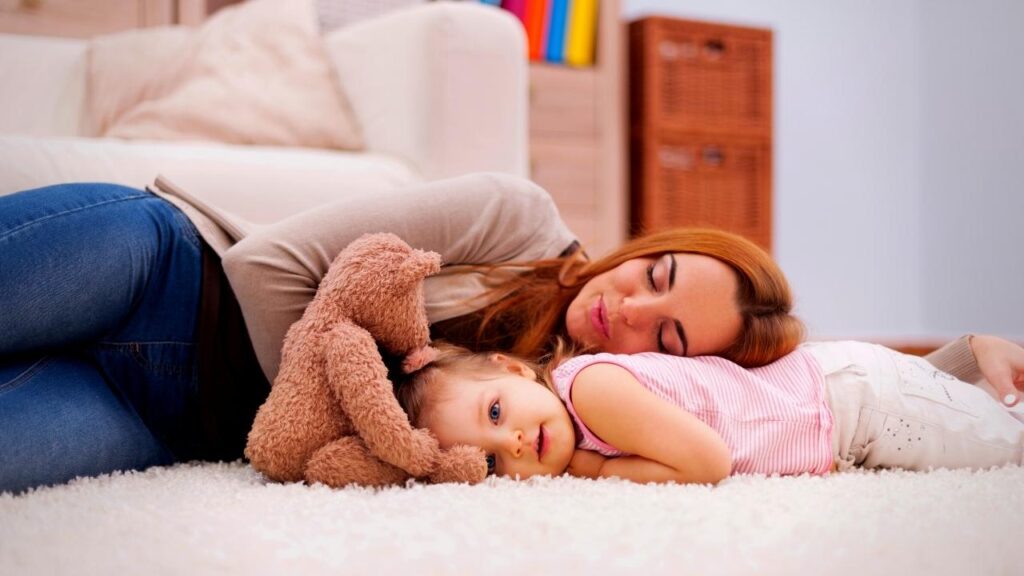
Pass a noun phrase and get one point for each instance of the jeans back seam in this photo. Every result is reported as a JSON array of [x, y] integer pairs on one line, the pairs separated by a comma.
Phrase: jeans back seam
[[17, 229], [25, 375]]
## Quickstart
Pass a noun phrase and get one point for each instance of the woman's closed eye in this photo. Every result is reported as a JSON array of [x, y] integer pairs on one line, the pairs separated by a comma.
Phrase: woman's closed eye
[[650, 277]]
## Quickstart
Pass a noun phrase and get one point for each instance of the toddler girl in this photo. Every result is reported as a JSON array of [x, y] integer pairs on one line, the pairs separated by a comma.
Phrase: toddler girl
[[657, 418]]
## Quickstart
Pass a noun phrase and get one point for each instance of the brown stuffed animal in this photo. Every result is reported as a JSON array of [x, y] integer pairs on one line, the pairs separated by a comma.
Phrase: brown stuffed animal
[[332, 416]]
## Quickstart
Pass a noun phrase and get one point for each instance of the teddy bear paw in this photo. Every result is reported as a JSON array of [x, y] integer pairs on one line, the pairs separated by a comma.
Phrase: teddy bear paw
[[420, 453], [460, 464]]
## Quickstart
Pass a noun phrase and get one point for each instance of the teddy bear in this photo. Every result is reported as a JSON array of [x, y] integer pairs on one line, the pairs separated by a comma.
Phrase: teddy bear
[[332, 416]]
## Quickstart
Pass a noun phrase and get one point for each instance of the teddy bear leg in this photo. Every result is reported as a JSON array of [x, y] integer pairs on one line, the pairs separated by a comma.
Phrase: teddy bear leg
[[347, 461]]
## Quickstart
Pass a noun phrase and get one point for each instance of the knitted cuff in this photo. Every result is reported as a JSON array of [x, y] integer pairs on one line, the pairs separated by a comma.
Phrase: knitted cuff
[[957, 359]]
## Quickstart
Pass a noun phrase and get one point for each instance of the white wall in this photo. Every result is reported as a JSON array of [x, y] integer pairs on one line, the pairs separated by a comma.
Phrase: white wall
[[972, 152], [860, 240]]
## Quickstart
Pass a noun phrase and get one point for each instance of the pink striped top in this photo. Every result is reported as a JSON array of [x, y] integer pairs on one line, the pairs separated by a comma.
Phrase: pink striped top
[[775, 418]]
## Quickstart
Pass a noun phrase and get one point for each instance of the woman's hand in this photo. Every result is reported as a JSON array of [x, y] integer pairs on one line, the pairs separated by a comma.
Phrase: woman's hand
[[586, 464], [1002, 364]]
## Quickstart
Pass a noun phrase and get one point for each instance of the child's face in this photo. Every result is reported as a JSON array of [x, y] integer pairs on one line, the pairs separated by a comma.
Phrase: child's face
[[521, 425]]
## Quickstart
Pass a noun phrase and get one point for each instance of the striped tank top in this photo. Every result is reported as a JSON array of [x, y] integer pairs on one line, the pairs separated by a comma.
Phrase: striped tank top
[[775, 418]]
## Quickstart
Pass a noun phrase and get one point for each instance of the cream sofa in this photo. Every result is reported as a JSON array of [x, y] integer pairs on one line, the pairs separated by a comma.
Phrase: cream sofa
[[438, 90]]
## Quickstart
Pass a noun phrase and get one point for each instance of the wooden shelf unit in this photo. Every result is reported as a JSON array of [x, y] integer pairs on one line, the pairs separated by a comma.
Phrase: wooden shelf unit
[[578, 137], [87, 18], [700, 127]]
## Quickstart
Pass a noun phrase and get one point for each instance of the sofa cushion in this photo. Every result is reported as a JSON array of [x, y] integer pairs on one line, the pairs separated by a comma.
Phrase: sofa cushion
[[254, 73], [258, 184]]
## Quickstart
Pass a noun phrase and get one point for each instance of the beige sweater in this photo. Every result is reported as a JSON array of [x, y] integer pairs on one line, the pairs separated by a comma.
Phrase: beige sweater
[[479, 218]]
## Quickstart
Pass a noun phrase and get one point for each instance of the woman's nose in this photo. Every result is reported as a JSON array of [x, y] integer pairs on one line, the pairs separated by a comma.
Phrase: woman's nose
[[634, 312], [515, 443]]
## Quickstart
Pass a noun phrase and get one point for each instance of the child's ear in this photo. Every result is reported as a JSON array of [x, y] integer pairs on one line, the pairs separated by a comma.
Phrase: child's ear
[[513, 365]]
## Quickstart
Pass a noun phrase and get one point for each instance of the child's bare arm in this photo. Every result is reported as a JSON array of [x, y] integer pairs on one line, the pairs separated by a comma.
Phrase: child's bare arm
[[667, 443]]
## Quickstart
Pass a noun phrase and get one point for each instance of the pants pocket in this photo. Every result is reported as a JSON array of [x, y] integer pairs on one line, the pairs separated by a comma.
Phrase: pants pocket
[[920, 379], [884, 440]]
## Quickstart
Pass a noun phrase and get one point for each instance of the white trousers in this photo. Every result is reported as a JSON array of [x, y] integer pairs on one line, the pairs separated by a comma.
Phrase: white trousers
[[893, 410]]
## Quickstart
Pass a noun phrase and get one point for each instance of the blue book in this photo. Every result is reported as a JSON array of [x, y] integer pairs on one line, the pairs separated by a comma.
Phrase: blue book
[[556, 31], [492, 2]]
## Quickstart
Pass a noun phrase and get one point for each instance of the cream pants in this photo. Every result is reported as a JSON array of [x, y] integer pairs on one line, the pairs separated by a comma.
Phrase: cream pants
[[892, 410]]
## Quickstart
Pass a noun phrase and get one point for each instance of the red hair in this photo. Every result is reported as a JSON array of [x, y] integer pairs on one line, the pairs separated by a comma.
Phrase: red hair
[[531, 316]]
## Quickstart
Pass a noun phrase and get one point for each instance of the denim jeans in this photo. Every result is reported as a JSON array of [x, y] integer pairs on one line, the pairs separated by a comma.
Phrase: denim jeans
[[99, 293]]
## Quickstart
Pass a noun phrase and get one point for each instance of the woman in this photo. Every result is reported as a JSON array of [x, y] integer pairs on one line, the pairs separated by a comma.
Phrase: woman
[[122, 344]]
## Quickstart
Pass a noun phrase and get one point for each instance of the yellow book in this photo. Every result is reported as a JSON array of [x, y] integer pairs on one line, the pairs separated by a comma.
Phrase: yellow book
[[582, 30]]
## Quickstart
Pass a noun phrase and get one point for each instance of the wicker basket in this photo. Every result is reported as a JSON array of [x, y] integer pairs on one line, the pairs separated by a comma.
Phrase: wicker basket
[[701, 123], [701, 180]]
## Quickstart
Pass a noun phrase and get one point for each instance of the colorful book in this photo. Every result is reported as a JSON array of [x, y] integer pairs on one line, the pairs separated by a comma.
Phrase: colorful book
[[582, 29], [536, 27], [558, 13], [517, 7], [492, 2]]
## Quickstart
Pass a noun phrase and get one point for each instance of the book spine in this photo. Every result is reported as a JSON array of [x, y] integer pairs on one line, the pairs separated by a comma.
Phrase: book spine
[[536, 27], [556, 31], [517, 7], [491, 2], [579, 49]]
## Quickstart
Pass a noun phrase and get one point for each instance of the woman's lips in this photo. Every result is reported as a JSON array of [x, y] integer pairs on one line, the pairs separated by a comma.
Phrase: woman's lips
[[599, 317]]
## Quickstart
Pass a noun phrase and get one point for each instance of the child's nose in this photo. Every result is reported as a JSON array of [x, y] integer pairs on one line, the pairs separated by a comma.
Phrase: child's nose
[[515, 443]]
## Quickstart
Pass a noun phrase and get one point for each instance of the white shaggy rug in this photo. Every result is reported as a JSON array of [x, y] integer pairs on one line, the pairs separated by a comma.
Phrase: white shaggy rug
[[223, 519]]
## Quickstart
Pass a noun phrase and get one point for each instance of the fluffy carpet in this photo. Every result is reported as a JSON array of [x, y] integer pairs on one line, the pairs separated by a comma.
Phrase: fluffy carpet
[[224, 519]]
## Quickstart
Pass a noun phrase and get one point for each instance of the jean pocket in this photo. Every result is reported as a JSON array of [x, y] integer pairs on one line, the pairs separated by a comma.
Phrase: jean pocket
[[920, 379]]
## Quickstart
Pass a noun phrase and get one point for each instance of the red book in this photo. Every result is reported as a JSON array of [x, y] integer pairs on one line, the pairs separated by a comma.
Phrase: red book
[[536, 27], [517, 7]]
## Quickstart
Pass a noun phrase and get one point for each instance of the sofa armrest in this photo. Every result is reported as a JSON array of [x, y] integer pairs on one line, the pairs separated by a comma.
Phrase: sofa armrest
[[442, 86], [42, 92]]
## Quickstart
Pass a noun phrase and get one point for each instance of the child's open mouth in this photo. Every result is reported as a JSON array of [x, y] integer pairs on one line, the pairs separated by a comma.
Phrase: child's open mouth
[[541, 443]]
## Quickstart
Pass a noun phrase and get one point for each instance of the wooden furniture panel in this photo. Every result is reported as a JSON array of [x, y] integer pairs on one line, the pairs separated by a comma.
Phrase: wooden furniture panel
[[578, 137], [567, 169], [563, 102], [75, 18], [87, 18], [700, 127]]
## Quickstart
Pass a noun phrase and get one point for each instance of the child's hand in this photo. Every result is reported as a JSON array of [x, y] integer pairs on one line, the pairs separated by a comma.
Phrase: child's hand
[[586, 464], [1002, 364]]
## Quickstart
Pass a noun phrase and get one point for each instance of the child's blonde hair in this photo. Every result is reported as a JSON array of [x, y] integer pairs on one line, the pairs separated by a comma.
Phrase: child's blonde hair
[[419, 391]]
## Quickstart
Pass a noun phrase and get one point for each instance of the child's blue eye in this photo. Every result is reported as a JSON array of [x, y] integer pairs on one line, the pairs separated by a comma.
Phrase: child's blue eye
[[495, 412], [490, 464]]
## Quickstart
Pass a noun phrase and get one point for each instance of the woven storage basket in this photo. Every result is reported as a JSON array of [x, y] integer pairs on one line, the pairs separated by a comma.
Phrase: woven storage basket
[[701, 121], [702, 180]]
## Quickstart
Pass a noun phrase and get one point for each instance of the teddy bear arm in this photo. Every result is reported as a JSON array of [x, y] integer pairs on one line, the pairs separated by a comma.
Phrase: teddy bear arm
[[347, 461], [359, 380], [460, 464]]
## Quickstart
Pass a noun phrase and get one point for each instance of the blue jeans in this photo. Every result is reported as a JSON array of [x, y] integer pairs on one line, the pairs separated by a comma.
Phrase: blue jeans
[[99, 293]]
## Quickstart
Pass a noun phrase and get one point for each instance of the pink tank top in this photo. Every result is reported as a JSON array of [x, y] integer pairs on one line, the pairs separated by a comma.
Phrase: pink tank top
[[775, 419]]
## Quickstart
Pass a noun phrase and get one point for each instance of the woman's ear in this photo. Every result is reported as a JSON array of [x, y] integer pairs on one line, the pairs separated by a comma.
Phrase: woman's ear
[[513, 365]]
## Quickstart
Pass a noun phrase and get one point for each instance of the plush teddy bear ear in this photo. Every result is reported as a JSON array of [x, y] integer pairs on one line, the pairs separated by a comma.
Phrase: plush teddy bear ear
[[419, 358], [421, 264]]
